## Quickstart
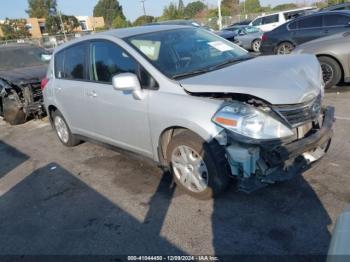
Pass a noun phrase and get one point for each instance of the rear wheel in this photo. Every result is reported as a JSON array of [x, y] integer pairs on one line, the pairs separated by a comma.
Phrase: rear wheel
[[198, 167], [12, 110], [256, 45], [331, 71], [63, 131], [284, 48]]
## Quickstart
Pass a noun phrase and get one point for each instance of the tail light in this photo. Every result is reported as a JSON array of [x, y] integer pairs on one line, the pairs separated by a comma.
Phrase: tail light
[[264, 37], [44, 83]]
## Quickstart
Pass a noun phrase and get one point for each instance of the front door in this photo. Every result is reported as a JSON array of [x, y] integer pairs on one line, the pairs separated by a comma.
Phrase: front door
[[119, 118]]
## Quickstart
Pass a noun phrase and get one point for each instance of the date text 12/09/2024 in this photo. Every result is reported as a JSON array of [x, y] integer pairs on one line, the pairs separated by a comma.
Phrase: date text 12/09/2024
[[173, 258]]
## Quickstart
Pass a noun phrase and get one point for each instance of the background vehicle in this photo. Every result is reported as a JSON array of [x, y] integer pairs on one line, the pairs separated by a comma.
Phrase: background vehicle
[[185, 97], [21, 69], [343, 6], [244, 22], [231, 32], [249, 38], [333, 52], [339, 250], [285, 38], [271, 21]]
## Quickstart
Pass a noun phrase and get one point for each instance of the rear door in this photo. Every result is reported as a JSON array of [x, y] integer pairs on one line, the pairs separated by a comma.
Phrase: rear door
[[71, 71], [335, 23], [308, 28]]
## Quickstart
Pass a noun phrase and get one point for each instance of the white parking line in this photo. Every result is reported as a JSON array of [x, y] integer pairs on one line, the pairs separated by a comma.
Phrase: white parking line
[[342, 118]]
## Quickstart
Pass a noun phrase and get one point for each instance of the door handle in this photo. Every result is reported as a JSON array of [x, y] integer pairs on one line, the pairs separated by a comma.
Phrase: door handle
[[92, 94]]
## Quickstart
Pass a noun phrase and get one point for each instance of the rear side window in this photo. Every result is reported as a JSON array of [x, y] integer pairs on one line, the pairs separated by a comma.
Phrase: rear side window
[[310, 22], [108, 60], [59, 65], [257, 21], [270, 19], [71, 63], [75, 62], [336, 20]]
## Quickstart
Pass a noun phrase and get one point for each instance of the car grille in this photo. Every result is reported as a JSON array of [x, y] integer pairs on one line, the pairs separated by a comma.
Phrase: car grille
[[36, 92], [297, 115]]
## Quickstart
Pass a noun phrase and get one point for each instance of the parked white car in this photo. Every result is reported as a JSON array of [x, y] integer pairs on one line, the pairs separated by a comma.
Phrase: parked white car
[[271, 21]]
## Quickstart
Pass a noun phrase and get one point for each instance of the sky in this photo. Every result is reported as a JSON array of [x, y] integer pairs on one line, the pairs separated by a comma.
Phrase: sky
[[132, 8]]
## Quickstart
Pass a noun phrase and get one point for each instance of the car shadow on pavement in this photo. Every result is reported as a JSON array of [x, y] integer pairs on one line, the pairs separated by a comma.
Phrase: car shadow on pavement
[[52, 212], [285, 219], [10, 158]]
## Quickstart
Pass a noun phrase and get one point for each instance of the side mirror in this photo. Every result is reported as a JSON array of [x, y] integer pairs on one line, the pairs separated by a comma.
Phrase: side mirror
[[128, 82]]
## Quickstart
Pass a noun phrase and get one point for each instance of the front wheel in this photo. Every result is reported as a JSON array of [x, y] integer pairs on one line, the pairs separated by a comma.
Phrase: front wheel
[[198, 167], [284, 48]]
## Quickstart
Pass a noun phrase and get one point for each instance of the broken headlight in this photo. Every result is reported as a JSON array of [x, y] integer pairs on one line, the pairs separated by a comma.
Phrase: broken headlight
[[249, 121]]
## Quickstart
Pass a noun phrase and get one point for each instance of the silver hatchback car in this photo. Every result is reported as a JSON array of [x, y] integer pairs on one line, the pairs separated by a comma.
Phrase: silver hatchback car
[[194, 102]]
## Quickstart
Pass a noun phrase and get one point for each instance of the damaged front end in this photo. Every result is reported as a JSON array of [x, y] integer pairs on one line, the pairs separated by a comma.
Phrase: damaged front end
[[20, 101], [295, 137]]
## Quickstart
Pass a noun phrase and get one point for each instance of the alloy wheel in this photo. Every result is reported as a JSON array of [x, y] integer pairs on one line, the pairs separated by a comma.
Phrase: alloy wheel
[[327, 73], [285, 49]]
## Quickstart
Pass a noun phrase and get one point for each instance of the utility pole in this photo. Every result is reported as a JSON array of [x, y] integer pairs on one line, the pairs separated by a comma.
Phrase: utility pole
[[62, 25], [220, 16], [143, 7]]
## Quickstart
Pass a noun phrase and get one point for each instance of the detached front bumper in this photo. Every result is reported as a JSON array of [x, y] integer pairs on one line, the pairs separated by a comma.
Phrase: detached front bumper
[[259, 164]]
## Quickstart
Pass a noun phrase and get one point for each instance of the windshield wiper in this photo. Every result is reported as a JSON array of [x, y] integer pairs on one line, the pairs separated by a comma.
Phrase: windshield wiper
[[212, 68], [229, 62], [191, 73]]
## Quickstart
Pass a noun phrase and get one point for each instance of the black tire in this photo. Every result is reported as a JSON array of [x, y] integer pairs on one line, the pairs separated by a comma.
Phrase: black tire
[[256, 41], [72, 139], [331, 71], [13, 111], [287, 46], [212, 154]]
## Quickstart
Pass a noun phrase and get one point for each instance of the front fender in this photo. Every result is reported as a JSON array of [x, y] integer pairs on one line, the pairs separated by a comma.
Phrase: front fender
[[167, 110]]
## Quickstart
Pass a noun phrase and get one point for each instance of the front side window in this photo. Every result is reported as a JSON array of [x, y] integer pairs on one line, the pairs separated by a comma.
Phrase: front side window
[[310, 22], [108, 60], [186, 51], [336, 20], [270, 19]]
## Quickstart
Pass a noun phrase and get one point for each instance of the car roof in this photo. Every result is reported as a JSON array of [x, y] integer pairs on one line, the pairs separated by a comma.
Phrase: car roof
[[335, 6], [125, 33], [285, 11]]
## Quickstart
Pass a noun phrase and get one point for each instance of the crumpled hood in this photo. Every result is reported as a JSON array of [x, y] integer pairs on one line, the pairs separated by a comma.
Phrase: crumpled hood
[[24, 75], [289, 79]]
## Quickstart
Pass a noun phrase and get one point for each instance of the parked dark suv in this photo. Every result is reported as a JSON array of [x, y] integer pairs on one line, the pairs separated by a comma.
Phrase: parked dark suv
[[283, 39]]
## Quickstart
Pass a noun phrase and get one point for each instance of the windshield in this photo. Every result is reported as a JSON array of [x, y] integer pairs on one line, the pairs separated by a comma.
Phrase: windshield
[[11, 58], [185, 52]]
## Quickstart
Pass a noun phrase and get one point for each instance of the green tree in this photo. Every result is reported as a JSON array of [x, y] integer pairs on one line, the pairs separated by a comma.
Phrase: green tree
[[231, 5], [110, 10], [193, 8], [171, 12], [144, 19], [119, 22], [252, 6], [40, 8], [53, 24], [215, 12], [14, 29], [181, 9], [283, 7]]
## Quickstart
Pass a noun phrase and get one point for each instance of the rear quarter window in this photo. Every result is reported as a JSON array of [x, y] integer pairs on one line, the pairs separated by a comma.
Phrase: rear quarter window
[[59, 65]]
